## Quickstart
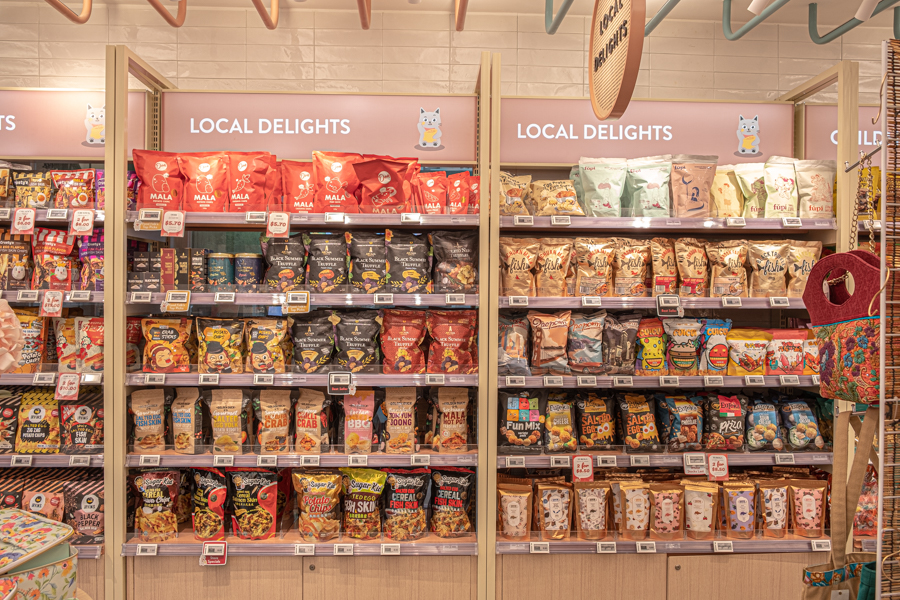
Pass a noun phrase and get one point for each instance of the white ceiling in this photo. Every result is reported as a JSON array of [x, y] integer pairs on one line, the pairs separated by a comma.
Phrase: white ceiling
[[831, 12]]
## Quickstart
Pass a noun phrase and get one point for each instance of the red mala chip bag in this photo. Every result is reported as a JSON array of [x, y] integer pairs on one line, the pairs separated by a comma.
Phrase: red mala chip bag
[[160, 177], [206, 181], [297, 178], [247, 180], [335, 182], [474, 194], [453, 346], [274, 185], [433, 189], [385, 189], [458, 193]]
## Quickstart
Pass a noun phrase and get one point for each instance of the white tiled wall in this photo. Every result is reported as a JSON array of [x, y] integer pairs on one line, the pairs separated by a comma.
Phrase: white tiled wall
[[412, 52]]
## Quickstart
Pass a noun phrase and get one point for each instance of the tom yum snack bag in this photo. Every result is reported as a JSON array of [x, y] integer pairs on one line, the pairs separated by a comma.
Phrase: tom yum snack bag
[[802, 257], [206, 181], [514, 191], [692, 266], [452, 493], [815, 186], [518, 256], [400, 428], [691, 180], [768, 259], [161, 185]]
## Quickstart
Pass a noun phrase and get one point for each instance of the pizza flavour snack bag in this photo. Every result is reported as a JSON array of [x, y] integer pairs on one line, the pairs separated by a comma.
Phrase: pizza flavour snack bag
[[206, 181], [692, 267], [594, 259], [247, 180], [802, 257], [161, 185], [691, 179], [747, 351], [298, 184], [665, 267], [335, 182], [518, 257], [723, 422], [514, 191], [728, 200], [768, 259], [752, 179]]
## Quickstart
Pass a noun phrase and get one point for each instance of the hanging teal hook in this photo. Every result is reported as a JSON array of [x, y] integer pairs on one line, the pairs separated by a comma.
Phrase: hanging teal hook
[[842, 29], [749, 25], [658, 18], [551, 23]]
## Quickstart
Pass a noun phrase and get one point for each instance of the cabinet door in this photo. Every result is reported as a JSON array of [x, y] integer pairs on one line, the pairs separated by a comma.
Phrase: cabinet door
[[764, 575]]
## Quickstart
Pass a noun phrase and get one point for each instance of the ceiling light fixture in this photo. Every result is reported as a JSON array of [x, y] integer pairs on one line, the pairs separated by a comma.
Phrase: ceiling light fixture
[[864, 13]]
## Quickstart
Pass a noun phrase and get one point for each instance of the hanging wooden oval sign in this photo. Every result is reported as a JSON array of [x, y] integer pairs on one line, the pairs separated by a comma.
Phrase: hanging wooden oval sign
[[617, 40]]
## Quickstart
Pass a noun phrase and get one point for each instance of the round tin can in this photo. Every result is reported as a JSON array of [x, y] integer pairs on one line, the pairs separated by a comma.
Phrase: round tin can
[[248, 269], [220, 268]]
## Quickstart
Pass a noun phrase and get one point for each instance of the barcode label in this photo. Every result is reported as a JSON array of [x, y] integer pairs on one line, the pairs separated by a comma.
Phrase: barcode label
[[553, 381], [669, 381], [824, 545], [420, 460], [784, 459], [384, 298], [754, 380], [515, 381], [390, 549], [27, 296], [714, 381], [255, 217], [79, 461], [560, 220], [523, 220], [731, 301], [789, 380], [20, 461], [779, 302], [623, 381], [586, 381], [79, 297], [154, 378], [518, 300], [224, 297], [334, 218], [260, 379], [593, 301], [44, 379]]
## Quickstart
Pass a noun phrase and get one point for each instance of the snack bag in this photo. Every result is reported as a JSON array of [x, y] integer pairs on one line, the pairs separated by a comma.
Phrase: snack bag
[[16, 266], [723, 422], [161, 184], [665, 267], [273, 410], [230, 417], [287, 262], [808, 507], [368, 264], [264, 353], [402, 333], [815, 187], [555, 198], [157, 492], [453, 347], [714, 346], [408, 263], [595, 420], [514, 191], [768, 260], [38, 427], [752, 179], [594, 266], [692, 267], [220, 345], [685, 419], [75, 189], [356, 430], [312, 336], [799, 428], [638, 415], [253, 497], [433, 190], [667, 511], [66, 344], [188, 422], [619, 346], [781, 188], [312, 422], [554, 510], [603, 181], [747, 351], [275, 185], [683, 346], [585, 345], [632, 272], [319, 504], [475, 194], [518, 256], [362, 498], [802, 257], [784, 355], [513, 332], [247, 180], [458, 193], [164, 350], [728, 277], [33, 190], [297, 178], [385, 189], [559, 424], [452, 494], [520, 421], [764, 426], [651, 349], [34, 339], [635, 498], [691, 180], [206, 181], [700, 509], [552, 267], [208, 499], [549, 334], [455, 261], [728, 200], [740, 509], [90, 252], [53, 265], [648, 185], [514, 511], [335, 182], [326, 266], [356, 341]]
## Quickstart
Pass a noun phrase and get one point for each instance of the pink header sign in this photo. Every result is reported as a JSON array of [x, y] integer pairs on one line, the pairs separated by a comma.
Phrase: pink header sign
[[431, 128], [560, 131], [820, 131], [70, 124]]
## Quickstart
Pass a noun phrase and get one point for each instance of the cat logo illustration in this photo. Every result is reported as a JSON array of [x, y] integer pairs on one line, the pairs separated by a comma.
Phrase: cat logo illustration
[[95, 123], [748, 135], [430, 129]]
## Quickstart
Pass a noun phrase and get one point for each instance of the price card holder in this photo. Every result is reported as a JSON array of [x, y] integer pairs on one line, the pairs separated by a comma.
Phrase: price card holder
[[592, 301], [717, 467], [789, 379], [815, 380], [334, 217], [23, 460], [296, 302], [454, 299], [57, 214], [4, 214], [791, 222], [825, 546], [82, 222], [304, 549], [553, 381], [539, 548], [735, 222], [713, 381], [732, 302], [390, 549], [640, 460], [310, 461], [92, 378], [586, 381], [725, 546], [606, 547], [209, 379], [410, 218], [149, 460], [673, 223], [255, 217], [561, 461], [343, 549], [178, 301], [214, 553], [51, 303], [146, 550], [523, 220], [150, 214], [606, 461], [224, 298], [223, 460], [141, 297], [779, 302], [784, 459], [44, 379], [263, 379], [669, 305], [27, 296], [518, 301], [623, 381], [79, 461], [384, 298], [340, 383], [80, 296], [278, 225], [694, 463], [515, 381], [358, 460], [173, 223], [561, 220], [646, 547], [434, 380], [515, 461], [420, 460], [669, 381], [154, 378], [266, 461], [754, 380]]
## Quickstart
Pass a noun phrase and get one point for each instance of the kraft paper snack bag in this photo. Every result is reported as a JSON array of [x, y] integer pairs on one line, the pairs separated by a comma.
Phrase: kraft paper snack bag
[[752, 179], [815, 184], [665, 269], [728, 276], [648, 186], [555, 198], [802, 257], [514, 191], [575, 178], [781, 187], [768, 261], [726, 193], [602, 181], [690, 183]]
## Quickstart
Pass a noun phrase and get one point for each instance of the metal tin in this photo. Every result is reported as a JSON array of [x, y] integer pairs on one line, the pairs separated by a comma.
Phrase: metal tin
[[248, 269], [220, 269]]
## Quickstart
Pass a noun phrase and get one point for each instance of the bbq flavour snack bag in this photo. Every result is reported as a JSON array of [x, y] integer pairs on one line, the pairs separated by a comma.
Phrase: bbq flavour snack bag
[[555, 198], [81, 427], [768, 260], [647, 183], [16, 266], [209, 503], [264, 353], [552, 266], [594, 266], [815, 187], [549, 340], [362, 490], [595, 420], [312, 422], [603, 181], [714, 346], [356, 341], [164, 350], [157, 492], [450, 419], [514, 511], [453, 347], [335, 182], [554, 510], [161, 185], [221, 341], [785, 352], [408, 263], [781, 188], [452, 492], [802, 257], [404, 503], [752, 179], [638, 417], [402, 334], [66, 344], [747, 351], [799, 428], [518, 256], [520, 421], [632, 268], [740, 509], [559, 423], [807, 499], [147, 409], [188, 422], [319, 504], [665, 267], [636, 510], [585, 345], [728, 276], [253, 495], [691, 179], [666, 511], [273, 410], [297, 179], [38, 426], [514, 191], [763, 426], [356, 428], [326, 265], [368, 263], [619, 343], [206, 181], [287, 262], [692, 267], [399, 407], [230, 417], [723, 423], [700, 506], [728, 200], [455, 261], [514, 334], [312, 336], [683, 346]]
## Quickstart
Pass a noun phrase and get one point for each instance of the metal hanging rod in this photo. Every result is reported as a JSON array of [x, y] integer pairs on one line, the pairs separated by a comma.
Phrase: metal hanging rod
[[849, 167], [660, 15], [749, 25], [840, 29], [551, 23]]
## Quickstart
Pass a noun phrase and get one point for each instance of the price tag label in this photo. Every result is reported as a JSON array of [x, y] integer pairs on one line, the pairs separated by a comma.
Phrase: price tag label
[[825, 545], [434, 380], [561, 461], [586, 381], [732, 302], [310, 461], [4, 214], [20, 461], [51, 303], [791, 222], [592, 301], [717, 467], [343, 549], [224, 298], [784, 459], [779, 302], [646, 547], [606, 461], [67, 386], [217, 550], [278, 225], [266, 461], [560, 220], [173, 223], [669, 381], [410, 218], [515, 381], [209, 379], [390, 549], [606, 547], [623, 381], [79, 296], [80, 461], [359, 460], [815, 380], [44, 379], [339, 383], [640, 460], [297, 298], [384, 298], [57, 214], [515, 461], [146, 550], [304, 549], [735, 222], [255, 217], [789, 379], [27, 296], [754, 380], [334, 217], [223, 460], [262, 379], [553, 381], [713, 381], [725, 546], [82, 222], [518, 300], [523, 220], [178, 301], [149, 460], [92, 378], [694, 463], [154, 378], [23, 221], [150, 214], [668, 305], [141, 297], [453, 299], [420, 460], [540, 548]]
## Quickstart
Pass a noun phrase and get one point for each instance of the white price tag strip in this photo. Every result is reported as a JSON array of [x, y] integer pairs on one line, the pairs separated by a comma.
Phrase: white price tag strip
[[822, 545], [784, 459], [223, 460], [452, 299], [669, 381], [149, 460], [735, 222], [515, 461], [209, 379], [523, 220], [732, 302], [624, 381], [539, 548], [789, 379], [560, 220], [713, 381], [815, 380], [646, 547], [410, 218], [420, 460], [779, 302], [434, 380], [154, 378], [260, 379], [515, 381], [592, 301], [27, 296], [553, 381], [606, 547], [384, 298], [20, 461], [224, 297], [694, 463], [724, 546], [586, 381], [518, 300], [754, 380], [44, 379]]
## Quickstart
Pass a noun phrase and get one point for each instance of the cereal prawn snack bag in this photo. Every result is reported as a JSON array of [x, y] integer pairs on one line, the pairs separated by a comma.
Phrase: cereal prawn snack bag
[[808, 502], [164, 348], [453, 347], [402, 334], [514, 511], [683, 346], [726, 261], [514, 191], [651, 349], [385, 189], [298, 182], [700, 505], [632, 266], [594, 266], [747, 351], [667, 511], [690, 183], [785, 352], [206, 181], [157, 492], [740, 509], [518, 256], [161, 185], [636, 510], [714, 346], [335, 182], [665, 267]]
